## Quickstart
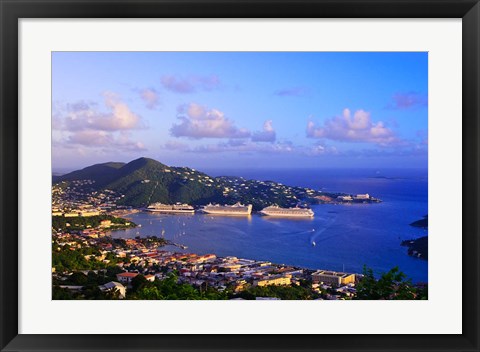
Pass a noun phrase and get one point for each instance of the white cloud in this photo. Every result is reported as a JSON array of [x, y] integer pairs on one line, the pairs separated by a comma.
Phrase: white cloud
[[246, 147], [356, 128], [267, 135], [85, 115], [197, 121], [83, 125]]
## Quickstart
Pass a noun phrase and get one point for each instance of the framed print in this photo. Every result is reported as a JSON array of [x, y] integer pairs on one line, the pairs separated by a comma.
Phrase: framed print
[[239, 176]]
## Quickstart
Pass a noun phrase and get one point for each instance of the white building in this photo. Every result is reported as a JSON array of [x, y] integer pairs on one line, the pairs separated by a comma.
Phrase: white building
[[113, 285]]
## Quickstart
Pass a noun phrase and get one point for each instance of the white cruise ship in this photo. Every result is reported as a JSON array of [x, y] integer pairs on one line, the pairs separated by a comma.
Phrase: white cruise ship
[[236, 209], [167, 208], [275, 210]]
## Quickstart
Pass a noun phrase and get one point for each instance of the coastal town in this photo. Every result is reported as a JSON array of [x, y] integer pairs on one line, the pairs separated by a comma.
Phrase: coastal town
[[123, 260], [88, 263], [81, 198], [132, 258]]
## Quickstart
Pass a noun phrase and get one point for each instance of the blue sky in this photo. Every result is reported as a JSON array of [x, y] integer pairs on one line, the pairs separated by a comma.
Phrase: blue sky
[[240, 109]]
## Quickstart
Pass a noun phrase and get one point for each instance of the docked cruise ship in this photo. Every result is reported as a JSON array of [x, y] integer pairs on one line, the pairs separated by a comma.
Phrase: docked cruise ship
[[236, 209], [275, 210], [167, 208]]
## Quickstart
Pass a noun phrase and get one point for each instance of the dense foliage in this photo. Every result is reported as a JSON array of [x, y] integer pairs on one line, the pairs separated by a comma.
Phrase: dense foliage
[[170, 289], [72, 258], [84, 222], [282, 292], [392, 285], [102, 174], [88, 292]]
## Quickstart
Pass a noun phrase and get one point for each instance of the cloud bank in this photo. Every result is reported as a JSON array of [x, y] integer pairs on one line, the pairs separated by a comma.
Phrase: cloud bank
[[85, 124], [267, 135], [197, 121], [86, 115], [358, 127]]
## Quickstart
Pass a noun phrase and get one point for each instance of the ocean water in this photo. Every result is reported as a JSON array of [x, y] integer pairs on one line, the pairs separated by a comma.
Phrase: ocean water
[[347, 237]]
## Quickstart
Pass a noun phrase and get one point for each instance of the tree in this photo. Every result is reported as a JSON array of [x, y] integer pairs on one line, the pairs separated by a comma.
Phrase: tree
[[149, 293], [138, 282], [79, 278], [61, 293], [392, 285]]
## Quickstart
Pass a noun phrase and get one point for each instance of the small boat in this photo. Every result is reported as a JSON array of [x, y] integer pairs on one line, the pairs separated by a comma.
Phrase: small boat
[[313, 243]]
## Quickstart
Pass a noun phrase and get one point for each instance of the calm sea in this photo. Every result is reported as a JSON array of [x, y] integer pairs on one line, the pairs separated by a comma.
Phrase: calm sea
[[346, 236]]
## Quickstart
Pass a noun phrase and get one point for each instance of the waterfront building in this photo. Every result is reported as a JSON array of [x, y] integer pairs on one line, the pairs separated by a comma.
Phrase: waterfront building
[[90, 213], [332, 277], [274, 280], [105, 223]]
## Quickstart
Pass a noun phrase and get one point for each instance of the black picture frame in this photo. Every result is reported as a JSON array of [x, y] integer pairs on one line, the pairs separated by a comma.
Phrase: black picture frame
[[13, 10]]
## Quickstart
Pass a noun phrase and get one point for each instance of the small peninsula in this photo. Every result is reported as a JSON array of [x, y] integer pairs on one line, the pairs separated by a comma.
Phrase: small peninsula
[[423, 223], [418, 247]]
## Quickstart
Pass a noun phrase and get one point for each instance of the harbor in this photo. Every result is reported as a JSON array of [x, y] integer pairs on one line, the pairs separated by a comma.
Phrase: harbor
[[337, 237]]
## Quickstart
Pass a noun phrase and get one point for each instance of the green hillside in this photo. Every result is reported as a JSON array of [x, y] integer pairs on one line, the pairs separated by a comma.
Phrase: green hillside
[[100, 173], [144, 181]]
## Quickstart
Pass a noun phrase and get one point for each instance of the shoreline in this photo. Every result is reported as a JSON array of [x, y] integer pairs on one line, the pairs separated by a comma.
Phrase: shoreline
[[248, 235], [230, 276]]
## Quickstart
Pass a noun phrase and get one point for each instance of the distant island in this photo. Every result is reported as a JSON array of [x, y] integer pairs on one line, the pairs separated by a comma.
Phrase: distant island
[[423, 223], [418, 247], [145, 181]]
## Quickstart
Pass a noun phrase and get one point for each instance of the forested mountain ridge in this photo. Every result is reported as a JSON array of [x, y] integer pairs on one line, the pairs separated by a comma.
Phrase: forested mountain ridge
[[145, 181]]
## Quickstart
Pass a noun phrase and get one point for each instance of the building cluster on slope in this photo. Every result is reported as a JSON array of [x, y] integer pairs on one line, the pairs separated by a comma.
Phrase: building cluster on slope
[[261, 192], [141, 256], [145, 256], [78, 198]]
